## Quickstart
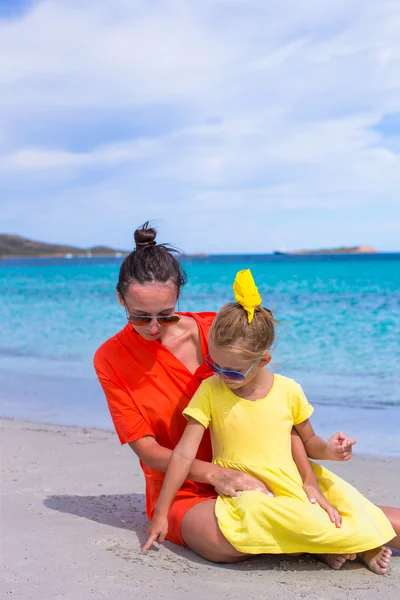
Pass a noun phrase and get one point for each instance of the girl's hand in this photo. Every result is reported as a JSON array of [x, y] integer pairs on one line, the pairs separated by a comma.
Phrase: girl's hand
[[157, 531], [315, 496], [340, 447], [230, 482]]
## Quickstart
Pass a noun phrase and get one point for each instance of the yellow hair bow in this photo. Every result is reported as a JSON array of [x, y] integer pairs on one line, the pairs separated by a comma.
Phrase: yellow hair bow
[[246, 292]]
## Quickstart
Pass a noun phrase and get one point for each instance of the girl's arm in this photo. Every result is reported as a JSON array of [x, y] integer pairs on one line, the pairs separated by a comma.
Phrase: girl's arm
[[178, 469], [179, 464], [338, 447], [310, 482], [301, 459]]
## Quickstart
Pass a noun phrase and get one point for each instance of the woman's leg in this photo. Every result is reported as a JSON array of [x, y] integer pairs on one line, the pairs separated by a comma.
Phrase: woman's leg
[[201, 534], [393, 514]]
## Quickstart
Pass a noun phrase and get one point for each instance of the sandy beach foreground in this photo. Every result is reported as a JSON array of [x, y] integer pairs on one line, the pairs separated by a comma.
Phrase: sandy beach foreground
[[73, 521]]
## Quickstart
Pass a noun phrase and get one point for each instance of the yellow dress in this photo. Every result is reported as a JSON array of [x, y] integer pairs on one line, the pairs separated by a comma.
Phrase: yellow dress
[[254, 437]]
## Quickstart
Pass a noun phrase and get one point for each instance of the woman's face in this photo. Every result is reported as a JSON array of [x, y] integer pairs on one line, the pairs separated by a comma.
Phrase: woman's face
[[149, 300]]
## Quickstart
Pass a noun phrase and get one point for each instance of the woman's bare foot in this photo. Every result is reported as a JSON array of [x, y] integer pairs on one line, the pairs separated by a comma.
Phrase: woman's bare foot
[[335, 561], [377, 560]]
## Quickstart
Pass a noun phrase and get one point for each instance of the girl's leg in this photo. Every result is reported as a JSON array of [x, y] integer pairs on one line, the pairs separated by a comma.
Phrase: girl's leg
[[377, 560], [335, 561], [393, 514], [201, 534]]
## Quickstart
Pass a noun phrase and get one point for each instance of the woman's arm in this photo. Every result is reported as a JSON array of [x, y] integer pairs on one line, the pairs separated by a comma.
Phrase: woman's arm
[[157, 457], [128, 421], [225, 481], [178, 469]]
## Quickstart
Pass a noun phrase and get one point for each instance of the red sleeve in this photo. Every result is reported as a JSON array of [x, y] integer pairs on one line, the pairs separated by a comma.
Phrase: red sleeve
[[128, 421]]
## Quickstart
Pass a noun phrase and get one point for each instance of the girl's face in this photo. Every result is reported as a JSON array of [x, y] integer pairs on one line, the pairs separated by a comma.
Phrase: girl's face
[[150, 300], [232, 361]]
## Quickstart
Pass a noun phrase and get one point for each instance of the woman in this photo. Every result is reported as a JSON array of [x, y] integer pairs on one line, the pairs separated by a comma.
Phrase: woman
[[149, 371]]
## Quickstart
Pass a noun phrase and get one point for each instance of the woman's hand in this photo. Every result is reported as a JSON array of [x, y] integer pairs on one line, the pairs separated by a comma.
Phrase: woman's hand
[[157, 531], [230, 482], [316, 496]]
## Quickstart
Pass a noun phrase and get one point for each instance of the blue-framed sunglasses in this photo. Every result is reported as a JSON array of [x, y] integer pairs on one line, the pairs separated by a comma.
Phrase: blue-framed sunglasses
[[228, 373]]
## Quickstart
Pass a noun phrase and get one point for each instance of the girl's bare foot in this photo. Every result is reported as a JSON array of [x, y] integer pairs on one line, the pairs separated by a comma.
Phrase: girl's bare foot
[[335, 561], [377, 560]]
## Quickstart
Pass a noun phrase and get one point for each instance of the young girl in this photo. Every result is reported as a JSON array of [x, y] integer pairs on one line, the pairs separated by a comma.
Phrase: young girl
[[251, 412]]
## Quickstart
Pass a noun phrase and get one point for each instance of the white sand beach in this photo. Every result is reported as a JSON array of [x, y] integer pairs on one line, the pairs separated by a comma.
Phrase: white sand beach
[[73, 521]]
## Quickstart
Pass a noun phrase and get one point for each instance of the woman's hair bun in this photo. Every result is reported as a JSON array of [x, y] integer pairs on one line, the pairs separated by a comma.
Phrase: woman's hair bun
[[150, 262], [145, 236]]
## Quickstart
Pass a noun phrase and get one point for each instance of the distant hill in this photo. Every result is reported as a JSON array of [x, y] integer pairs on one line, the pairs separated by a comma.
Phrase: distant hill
[[17, 246], [362, 249]]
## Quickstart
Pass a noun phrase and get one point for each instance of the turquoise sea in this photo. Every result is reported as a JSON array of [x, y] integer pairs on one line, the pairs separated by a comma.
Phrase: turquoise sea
[[340, 336]]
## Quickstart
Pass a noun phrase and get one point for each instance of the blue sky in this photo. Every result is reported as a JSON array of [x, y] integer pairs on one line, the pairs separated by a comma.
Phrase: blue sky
[[236, 126]]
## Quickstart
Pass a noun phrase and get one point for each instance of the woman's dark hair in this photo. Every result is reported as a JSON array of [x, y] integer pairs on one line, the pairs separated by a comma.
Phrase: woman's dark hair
[[150, 262]]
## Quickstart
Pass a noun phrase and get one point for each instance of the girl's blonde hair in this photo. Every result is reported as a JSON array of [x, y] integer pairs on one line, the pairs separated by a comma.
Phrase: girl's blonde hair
[[232, 330]]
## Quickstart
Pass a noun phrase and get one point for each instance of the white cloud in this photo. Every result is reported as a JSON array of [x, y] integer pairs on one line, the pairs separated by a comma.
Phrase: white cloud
[[34, 159], [274, 107]]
